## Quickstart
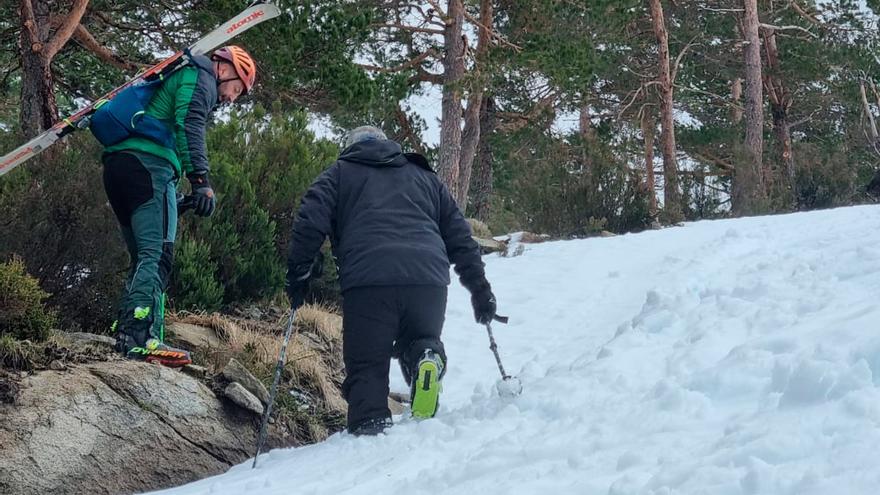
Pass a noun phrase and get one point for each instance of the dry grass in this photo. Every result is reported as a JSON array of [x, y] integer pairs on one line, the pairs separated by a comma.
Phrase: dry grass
[[313, 361]]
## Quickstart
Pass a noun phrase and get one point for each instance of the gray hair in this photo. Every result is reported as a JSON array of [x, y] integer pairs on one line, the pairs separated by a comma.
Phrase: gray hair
[[363, 133]]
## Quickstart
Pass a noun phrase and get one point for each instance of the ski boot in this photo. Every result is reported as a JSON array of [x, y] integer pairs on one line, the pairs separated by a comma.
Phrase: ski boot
[[134, 341], [371, 427], [157, 352], [426, 385]]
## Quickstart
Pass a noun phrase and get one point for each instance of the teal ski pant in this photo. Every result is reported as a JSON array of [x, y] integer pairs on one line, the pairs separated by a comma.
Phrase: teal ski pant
[[142, 191]]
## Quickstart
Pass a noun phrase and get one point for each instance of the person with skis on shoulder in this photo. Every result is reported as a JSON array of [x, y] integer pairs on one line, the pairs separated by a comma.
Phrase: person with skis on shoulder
[[394, 230], [164, 142]]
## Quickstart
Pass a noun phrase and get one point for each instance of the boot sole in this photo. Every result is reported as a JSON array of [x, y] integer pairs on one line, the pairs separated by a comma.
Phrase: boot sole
[[170, 359], [427, 391]]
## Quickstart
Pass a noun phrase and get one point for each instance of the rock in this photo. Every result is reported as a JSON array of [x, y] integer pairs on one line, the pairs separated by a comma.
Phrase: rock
[[490, 245], [90, 338], [395, 407], [192, 336], [57, 365], [116, 427], [605, 233], [252, 313], [238, 394], [236, 372], [198, 372], [532, 238], [399, 397], [479, 229]]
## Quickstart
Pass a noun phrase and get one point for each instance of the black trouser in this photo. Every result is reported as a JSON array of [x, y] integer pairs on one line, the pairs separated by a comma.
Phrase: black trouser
[[380, 323]]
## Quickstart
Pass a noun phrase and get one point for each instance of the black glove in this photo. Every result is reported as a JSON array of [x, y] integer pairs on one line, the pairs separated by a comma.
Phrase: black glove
[[203, 200], [296, 294], [483, 302]]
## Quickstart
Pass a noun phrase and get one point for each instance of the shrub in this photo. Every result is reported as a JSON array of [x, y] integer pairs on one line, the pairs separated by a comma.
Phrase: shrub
[[22, 313]]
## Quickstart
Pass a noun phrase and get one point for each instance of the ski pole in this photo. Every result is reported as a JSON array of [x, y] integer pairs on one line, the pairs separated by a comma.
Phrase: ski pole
[[494, 347], [265, 422]]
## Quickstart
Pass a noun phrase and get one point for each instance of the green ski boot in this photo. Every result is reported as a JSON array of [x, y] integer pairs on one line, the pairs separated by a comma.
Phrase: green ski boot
[[426, 386]]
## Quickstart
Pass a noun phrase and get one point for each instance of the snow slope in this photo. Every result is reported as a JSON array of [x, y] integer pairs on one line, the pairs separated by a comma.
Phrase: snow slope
[[726, 357]]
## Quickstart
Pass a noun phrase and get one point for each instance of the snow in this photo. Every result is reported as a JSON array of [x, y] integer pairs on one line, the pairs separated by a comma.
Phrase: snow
[[722, 357]]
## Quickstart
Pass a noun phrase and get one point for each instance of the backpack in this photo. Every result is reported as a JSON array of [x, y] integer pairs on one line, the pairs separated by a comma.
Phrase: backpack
[[125, 116]]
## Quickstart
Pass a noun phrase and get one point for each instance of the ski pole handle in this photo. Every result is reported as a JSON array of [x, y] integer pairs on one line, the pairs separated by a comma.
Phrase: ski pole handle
[[184, 203]]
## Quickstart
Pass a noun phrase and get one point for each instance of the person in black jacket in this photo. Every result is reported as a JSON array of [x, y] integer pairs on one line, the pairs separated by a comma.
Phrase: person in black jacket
[[394, 230]]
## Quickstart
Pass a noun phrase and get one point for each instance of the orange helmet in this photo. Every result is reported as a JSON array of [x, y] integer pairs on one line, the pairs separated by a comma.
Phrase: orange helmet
[[244, 65]]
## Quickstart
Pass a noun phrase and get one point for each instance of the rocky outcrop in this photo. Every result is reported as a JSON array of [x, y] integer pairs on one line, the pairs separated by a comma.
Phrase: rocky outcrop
[[116, 427], [236, 372], [488, 246], [192, 336]]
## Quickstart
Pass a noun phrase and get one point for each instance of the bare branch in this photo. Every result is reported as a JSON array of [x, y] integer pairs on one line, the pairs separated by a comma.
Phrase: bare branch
[[788, 28], [408, 131], [424, 76], [66, 30], [680, 56], [30, 24], [517, 121], [718, 162], [806, 15], [429, 17], [85, 38], [402, 67], [412, 29], [711, 9], [725, 99], [800, 122], [493, 34], [440, 12]]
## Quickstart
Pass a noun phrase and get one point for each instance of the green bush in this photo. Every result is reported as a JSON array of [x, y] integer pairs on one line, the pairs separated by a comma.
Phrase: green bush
[[57, 218], [567, 188], [261, 164], [22, 314], [197, 286]]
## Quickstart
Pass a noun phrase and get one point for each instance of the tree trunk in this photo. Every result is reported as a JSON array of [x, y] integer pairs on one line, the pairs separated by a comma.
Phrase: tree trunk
[[450, 125], [736, 92], [780, 107], [872, 123], [585, 124], [481, 180], [39, 110], [472, 134], [648, 135], [748, 183], [672, 197]]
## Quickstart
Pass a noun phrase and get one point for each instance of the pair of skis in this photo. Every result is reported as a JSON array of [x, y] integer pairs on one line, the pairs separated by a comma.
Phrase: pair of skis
[[250, 17]]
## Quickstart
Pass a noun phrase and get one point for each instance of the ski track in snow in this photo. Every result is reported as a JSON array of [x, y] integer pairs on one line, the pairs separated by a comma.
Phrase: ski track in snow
[[722, 357]]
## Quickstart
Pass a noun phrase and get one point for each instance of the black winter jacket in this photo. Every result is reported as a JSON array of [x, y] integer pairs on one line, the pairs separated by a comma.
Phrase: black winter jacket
[[390, 219]]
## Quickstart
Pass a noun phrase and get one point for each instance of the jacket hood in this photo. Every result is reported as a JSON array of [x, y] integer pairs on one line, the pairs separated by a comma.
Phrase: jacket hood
[[375, 153], [204, 63]]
